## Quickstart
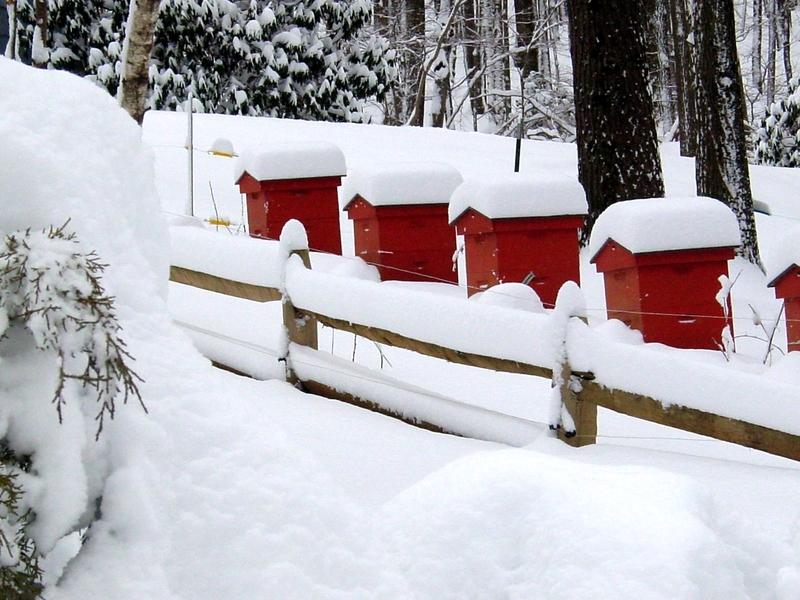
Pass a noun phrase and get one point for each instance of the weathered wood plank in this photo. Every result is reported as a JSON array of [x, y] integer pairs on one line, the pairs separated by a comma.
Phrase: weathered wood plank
[[390, 338], [690, 419], [229, 287], [326, 391]]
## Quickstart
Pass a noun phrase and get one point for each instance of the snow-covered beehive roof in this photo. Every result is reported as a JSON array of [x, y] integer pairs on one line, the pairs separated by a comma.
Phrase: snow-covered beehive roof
[[402, 184], [295, 160], [661, 224], [519, 196], [783, 257]]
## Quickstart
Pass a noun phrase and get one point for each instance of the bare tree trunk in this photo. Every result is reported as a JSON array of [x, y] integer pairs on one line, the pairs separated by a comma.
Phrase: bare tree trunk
[[684, 75], [772, 42], [659, 63], [526, 54], [755, 57], [616, 133], [721, 165], [40, 57], [13, 30], [785, 31], [473, 57], [139, 37]]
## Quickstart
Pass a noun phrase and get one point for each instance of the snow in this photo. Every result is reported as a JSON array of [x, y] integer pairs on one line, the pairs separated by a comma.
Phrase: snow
[[471, 327], [511, 295], [518, 196], [60, 166], [245, 259], [660, 224], [408, 183], [784, 254], [296, 160], [235, 488]]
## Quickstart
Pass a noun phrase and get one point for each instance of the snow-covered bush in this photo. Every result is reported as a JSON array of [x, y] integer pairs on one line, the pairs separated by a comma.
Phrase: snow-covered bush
[[778, 135], [69, 153], [52, 301], [309, 59]]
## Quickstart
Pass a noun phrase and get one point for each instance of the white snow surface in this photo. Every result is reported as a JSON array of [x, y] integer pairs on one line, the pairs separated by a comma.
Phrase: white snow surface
[[248, 260], [515, 196], [672, 223], [408, 183], [58, 165], [240, 489], [291, 160]]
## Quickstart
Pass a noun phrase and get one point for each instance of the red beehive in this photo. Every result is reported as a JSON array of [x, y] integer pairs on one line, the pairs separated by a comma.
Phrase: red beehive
[[787, 287], [400, 220], [297, 181], [514, 227], [661, 259]]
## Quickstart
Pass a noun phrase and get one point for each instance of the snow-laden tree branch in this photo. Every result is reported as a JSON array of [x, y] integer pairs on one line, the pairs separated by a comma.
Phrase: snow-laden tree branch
[[53, 288]]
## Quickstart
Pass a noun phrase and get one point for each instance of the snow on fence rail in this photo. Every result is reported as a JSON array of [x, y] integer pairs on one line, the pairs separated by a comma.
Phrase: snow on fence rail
[[591, 370]]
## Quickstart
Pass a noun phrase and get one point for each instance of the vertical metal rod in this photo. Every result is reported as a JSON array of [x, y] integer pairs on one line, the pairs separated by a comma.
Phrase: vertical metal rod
[[518, 150], [190, 149]]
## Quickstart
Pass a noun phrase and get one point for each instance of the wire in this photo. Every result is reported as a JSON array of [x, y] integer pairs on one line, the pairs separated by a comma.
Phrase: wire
[[549, 305], [351, 375]]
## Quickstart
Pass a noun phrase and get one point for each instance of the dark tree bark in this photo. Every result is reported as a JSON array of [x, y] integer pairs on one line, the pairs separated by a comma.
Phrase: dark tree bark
[[721, 165], [785, 21], [140, 33], [684, 75], [472, 55], [616, 133], [40, 57]]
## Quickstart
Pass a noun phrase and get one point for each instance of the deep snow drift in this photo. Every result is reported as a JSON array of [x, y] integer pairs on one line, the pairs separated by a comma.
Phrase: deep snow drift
[[233, 488]]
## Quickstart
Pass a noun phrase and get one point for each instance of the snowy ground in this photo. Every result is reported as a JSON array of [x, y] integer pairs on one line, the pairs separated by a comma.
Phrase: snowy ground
[[243, 489]]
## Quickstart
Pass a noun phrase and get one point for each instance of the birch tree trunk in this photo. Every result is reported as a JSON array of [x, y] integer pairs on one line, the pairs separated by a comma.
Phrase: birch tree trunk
[[138, 45], [13, 28], [721, 165], [616, 133]]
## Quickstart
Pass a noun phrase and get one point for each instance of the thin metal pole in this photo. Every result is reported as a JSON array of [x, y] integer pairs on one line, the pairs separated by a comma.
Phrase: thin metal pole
[[518, 150], [190, 149]]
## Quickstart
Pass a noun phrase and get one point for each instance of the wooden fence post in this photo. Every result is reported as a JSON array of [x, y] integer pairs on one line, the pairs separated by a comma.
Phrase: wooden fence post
[[584, 414], [582, 431], [301, 328]]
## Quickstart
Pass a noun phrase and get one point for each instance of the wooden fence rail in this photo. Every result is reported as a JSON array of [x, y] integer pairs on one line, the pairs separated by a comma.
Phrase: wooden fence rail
[[301, 326]]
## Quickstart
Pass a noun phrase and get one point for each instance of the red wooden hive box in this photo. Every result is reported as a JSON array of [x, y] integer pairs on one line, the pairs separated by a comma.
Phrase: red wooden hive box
[[520, 229], [666, 291], [787, 286], [400, 220], [294, 181]]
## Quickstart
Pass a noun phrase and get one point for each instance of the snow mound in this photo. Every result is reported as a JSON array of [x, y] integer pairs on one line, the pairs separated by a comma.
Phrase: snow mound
[[660, 224], [297, 160], [512, 295], [70, 153], [60, 164], [548, 527], [403, 183], [519, 196]]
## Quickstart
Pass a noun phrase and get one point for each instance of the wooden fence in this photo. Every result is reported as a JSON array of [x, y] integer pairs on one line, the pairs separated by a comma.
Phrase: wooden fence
[[301, 326]]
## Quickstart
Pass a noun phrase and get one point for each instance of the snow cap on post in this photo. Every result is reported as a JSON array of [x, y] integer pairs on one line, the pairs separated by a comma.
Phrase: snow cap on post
[[519, 196], [410, 183], [296, 160], [222, 147], [293, 237], [663, 224]]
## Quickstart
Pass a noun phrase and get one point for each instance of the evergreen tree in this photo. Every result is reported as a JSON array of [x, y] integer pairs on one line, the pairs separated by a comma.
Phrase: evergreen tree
[[312, 59], [778, 135]]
